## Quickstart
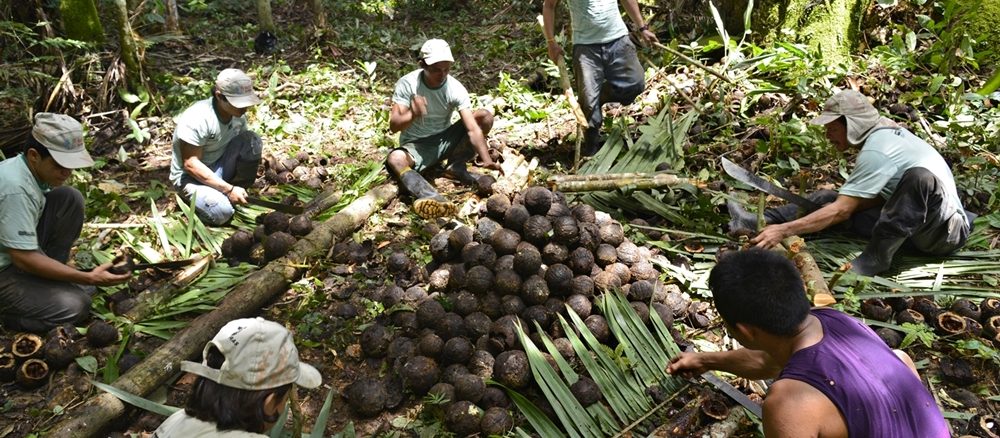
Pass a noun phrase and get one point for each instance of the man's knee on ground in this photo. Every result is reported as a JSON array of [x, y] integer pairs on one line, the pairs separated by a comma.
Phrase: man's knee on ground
[[484, 118], [65, 195], [397, 161], [70, 307], [918, 176]]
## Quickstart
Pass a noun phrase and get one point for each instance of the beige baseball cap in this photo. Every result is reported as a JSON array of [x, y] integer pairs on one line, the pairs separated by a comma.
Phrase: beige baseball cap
[[845, 103], [259, 354], [435, 50], [63, 137], [237, 87]]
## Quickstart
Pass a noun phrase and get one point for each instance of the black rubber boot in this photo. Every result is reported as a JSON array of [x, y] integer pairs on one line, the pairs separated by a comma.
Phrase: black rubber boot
[[877, 256], [460, 173], [429, 203]]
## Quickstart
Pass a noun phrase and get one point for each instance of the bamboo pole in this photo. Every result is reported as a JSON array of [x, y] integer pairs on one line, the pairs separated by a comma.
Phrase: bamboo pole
[[636, 183], [581, 119], [260, 288], [811, 275]]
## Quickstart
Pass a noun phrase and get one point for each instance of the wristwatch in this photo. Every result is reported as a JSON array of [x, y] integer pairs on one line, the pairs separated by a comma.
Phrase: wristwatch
[[644, 27]]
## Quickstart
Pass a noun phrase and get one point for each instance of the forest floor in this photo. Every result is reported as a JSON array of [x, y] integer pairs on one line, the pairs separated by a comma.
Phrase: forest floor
[[327, 94]]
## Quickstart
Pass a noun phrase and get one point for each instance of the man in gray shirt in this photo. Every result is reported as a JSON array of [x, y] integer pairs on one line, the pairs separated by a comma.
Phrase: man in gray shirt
[[40, 220], [901, 190], [423, 103], [604, 59]]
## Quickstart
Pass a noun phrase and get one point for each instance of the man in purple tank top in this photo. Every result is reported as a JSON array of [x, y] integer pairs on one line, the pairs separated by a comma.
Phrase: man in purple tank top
[[835, 377]]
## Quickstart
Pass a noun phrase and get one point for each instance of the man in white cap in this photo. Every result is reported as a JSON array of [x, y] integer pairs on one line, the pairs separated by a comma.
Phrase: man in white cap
[[900, 191], [244, 380], [422, 107], [604, 59], [40, 220], [215, 156]]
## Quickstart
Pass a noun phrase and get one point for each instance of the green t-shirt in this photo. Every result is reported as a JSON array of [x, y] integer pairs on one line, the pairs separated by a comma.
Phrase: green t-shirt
[[596, 21], [200, 126], [22, 199], [181, 425], [442, 102], [886, 155]]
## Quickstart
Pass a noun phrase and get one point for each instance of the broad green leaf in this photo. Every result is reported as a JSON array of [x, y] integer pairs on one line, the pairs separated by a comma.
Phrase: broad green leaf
[[136, 400]]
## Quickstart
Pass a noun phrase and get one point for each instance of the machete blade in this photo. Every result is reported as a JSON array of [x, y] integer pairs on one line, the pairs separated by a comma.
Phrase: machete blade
[[740, 174]]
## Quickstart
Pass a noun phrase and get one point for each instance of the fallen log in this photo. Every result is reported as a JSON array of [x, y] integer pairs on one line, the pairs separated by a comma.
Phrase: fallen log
[[260, 288], [727, 427], [816, 287]]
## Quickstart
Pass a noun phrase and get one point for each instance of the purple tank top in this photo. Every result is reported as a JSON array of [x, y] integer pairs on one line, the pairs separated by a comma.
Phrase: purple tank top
[[874, 390]]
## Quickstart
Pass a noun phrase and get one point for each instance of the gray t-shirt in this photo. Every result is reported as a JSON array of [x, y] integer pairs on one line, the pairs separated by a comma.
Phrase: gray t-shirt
[[886, 155], [442, 102], [596, 21], [200, 126], [22, 199]]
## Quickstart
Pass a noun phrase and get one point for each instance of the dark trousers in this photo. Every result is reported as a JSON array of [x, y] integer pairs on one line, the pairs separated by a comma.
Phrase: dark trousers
[[913, 212], [35, 304], [606, 73]]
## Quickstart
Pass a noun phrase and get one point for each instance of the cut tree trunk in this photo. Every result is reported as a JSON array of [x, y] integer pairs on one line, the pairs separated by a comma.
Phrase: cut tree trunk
[[606, 182], [260, 288], [811, 275], [833, 26], [127, 44]]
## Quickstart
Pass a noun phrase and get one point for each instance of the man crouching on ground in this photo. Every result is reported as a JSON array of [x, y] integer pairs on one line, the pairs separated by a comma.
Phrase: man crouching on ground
[[834, 376], [422, 106]]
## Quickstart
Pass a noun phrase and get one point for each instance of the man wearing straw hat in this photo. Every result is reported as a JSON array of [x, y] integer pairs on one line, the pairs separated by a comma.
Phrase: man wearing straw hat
[[605, 61], [40, 220], [900, 191]]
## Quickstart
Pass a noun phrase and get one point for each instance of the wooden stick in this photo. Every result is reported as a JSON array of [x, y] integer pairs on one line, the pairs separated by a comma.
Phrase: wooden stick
[[259, 289], [811, 275], [693, 62], [581, 119], [557, 179]]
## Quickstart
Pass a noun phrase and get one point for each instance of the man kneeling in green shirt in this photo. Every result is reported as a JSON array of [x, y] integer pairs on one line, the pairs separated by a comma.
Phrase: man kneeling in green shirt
[[422, 106], [900, 191], [40, 219]]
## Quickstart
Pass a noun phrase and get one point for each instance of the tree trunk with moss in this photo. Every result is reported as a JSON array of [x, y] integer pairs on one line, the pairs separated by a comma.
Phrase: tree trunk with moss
[[80, 21], [127, 45], [171, 20], [264, 17], [832, 26]]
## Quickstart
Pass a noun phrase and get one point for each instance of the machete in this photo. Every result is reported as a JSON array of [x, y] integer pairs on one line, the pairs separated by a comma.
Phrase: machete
[[285, 208], [127, 264], [745, 176]]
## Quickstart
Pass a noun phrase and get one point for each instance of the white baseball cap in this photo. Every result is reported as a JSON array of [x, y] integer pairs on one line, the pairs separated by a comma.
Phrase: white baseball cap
[[63, 137], [435, 50], [237, 87], [259, 354]]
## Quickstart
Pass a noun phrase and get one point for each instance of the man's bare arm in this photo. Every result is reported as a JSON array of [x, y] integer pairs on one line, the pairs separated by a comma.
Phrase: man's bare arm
[[191, 157], [38, 264], [744, 362], [831, 214], [477, 139]]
